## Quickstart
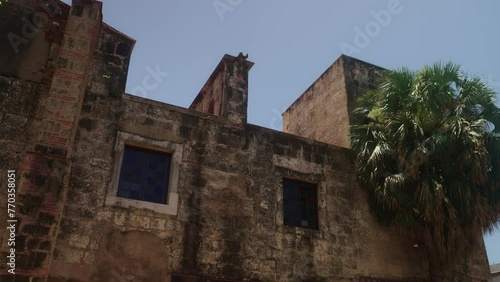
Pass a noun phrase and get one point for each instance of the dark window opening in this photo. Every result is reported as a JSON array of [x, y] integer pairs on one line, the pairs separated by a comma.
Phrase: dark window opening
[[144, 175], [300, 204], [123, 49], [77, 10]]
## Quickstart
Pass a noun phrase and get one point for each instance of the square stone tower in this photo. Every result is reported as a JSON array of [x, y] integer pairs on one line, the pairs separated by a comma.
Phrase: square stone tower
[[323, 111]]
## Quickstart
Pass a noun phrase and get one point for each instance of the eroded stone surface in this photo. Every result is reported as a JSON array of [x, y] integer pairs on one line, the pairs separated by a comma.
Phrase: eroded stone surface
[[229, 221]]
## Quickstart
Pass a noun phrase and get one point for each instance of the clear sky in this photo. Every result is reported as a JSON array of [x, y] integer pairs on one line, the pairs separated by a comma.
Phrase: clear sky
[[292, 42]]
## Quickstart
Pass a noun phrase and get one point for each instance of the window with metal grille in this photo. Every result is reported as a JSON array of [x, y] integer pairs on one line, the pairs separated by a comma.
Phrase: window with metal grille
[[144, 175], [300, 204]]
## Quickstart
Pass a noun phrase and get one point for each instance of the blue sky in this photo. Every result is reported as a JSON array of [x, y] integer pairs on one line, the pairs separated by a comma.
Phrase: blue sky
[[292, 42]]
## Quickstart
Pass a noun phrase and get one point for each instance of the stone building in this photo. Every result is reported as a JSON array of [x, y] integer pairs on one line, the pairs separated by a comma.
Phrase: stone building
[[114, 187]]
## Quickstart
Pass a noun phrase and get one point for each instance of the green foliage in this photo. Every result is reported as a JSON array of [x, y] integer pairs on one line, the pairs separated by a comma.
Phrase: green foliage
[[428, 153]]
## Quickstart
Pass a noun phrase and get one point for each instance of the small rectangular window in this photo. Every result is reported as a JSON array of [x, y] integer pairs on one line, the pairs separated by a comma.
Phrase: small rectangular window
[[144, 175], [300, 204], [77, 10]]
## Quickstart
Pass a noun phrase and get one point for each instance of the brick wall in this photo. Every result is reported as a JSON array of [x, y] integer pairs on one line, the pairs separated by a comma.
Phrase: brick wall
[[70, 78]]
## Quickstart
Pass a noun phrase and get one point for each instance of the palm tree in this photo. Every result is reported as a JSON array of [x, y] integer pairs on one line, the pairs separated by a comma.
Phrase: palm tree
[[427, 148]]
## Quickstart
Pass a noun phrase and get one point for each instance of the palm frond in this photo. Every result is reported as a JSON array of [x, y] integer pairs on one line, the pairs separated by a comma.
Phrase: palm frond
[[427, 149]]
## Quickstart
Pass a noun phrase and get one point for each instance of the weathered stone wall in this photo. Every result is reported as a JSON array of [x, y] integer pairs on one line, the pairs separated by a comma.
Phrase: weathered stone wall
[[477, 265], [17, 114], [43, 174], [38, 178], [230, 219], [31, 56], [59, 133], [322, 112], [472, 267], [360, 77]]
